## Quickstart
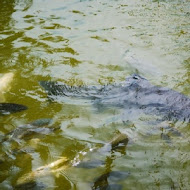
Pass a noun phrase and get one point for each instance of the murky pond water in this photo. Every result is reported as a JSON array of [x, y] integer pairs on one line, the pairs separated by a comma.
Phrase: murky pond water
[[91, 42]]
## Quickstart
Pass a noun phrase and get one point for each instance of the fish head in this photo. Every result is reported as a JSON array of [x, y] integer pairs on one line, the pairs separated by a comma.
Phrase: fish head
[[136, 80]]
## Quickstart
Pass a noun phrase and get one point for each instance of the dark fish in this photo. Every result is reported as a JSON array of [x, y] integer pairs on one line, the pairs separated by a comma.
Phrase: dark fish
[[87, 92], [41, 122], [108, 180], [91, 164], [27, 131], [32, 185], [113, 176], [7, 108], [135, 95], [116, 176], [37, 129]]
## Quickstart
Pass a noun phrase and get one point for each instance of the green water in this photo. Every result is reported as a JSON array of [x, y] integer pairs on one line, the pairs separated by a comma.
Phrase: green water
[[94, 42]]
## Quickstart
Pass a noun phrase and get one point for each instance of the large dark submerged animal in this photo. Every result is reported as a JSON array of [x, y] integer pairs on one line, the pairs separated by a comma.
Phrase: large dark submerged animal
[[136, 94], [7, 108]]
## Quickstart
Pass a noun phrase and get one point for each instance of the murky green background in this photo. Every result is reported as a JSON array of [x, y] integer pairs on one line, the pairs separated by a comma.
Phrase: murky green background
[[95, 42]]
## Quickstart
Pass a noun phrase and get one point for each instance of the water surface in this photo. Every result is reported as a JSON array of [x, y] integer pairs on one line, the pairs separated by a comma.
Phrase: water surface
[[90, 42]]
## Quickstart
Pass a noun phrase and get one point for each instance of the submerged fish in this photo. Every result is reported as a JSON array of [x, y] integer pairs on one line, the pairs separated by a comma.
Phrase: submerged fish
[[136, 95], [59, 167], [90, 164], [7, 108], [32, 185], [13, 143], [108, 180], [5, 81], [49, 169], [120, 138], [118, 141], [27, 131]]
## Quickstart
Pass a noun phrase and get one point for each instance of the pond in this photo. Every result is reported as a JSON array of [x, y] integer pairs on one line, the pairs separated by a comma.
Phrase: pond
[[68, 143]]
